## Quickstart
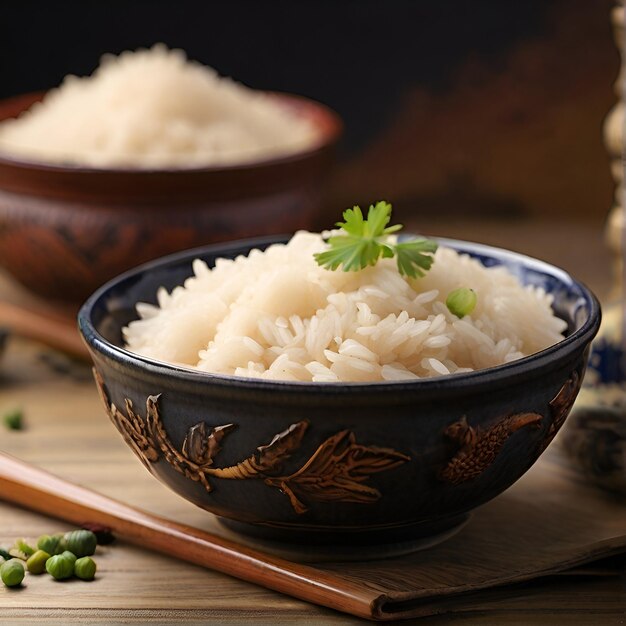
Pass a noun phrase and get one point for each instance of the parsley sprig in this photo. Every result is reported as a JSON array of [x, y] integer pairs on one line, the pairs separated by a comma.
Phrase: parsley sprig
[[364, 241]]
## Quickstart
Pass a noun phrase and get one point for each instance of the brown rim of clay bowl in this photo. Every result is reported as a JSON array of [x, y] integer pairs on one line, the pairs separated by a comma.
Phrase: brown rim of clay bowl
[[20, 174]]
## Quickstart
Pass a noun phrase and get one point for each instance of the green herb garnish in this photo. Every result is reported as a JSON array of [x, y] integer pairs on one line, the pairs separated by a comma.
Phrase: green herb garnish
[[367, 240], [14, 420], [461, 301]]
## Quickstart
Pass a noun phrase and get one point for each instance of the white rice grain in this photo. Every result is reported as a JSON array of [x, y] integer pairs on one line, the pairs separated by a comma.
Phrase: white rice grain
[[278, 315], [155, 109]]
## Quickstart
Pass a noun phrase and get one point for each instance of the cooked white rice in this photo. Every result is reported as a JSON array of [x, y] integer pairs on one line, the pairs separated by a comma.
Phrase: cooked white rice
[[278, 315], [153, 108]]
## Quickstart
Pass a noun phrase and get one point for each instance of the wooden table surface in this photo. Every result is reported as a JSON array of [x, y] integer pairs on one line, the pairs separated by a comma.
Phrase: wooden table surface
[[68, 434]]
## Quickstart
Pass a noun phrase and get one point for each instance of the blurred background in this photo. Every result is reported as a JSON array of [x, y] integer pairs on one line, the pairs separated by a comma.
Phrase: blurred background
[[460, 109], [481, 120]]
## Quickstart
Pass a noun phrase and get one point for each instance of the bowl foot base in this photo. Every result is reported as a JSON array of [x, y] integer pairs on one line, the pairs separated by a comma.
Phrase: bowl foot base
[[315, 546]]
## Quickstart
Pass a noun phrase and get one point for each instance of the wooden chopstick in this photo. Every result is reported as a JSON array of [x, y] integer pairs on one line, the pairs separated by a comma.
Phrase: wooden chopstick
[[48, 328], [37, 490]]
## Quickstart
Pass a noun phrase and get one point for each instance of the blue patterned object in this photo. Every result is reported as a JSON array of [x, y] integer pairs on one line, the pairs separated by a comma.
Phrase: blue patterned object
[[606, 363], [595, 438]]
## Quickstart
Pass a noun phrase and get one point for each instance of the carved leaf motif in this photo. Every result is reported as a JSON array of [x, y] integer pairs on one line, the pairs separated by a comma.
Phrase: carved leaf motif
[[337, 471], [271, 457], [135, 430], [561, 405], [215, 439], [153, 419], [195, 444], [461, 433], [174, 457], [202, 449], [131, 425]]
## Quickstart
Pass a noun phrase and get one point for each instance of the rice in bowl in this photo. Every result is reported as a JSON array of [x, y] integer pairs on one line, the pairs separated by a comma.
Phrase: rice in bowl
[[278, 315], [155, 109]]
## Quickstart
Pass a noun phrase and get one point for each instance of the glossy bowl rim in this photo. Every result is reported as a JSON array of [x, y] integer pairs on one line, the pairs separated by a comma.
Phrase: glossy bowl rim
[[325, 140], [535, 361]]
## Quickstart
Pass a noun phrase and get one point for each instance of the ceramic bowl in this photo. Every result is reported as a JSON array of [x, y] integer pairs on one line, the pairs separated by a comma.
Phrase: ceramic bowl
[[64, 230], [337, 463]]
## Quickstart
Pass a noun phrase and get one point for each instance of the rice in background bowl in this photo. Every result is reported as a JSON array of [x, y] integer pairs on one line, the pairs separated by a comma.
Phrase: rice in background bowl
[[278, 315], [155, 109], [65, 229]]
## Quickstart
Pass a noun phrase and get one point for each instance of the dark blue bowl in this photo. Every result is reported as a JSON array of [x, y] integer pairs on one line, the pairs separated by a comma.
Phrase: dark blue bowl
[[343, 462]]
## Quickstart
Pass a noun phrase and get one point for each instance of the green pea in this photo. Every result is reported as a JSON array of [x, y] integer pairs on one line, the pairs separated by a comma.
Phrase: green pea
[[70, 556], [24, 547], [51, 544], [461, 302], [14, 420], [36, 563], [85, 568], [12, 573], [14, 553], [81, 542], [5, 554], [60, 567]]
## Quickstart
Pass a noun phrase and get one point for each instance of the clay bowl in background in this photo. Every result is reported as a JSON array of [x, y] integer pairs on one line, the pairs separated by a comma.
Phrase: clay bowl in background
[[337, 463], [64, 230]]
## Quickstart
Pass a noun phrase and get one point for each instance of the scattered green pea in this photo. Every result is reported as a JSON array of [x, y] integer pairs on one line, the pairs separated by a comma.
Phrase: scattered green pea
[[61, 555], [52, 544], [36, 563], [461, 301], [81, 542], [16, 553], [60, 567], [62, 547], [12, 573], [85, 568], [14, 420], [24, 547]]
